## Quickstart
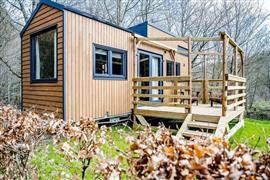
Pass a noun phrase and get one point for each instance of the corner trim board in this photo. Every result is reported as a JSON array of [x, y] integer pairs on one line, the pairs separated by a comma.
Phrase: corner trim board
[[64, 41]]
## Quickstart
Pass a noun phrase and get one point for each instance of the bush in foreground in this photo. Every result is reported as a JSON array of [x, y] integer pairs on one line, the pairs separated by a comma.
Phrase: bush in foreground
[[151, 155]]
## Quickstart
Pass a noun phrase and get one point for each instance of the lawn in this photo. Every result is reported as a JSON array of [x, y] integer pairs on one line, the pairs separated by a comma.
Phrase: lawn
[[254, 134], [50, 165]]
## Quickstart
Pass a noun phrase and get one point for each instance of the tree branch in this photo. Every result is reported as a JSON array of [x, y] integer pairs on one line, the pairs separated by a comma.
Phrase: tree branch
[[10, 68]]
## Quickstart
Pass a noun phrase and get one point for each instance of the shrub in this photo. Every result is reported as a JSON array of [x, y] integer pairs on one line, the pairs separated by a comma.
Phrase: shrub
[[151, 155], [20, 134]]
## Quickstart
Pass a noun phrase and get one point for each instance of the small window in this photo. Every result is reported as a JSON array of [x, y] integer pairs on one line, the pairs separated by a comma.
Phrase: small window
[[109, 62], [43, 56], [102, 64], [117, 64], [170, 68], [182, 50], [178, 69]]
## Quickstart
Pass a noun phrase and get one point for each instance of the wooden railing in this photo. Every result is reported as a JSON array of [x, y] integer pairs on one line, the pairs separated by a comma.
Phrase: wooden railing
[[234, 95], [162, 91], [207, 89]]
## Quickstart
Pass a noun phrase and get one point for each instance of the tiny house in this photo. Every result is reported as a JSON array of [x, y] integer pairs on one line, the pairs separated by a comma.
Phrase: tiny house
[[80, 66]]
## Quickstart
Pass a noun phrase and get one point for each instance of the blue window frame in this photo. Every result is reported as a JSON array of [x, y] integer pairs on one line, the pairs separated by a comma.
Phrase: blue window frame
[[43, 49], [170, 68], [178, 69], [109, 63]]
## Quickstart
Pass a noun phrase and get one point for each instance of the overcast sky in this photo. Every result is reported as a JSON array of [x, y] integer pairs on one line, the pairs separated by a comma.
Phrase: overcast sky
[[267, 4]]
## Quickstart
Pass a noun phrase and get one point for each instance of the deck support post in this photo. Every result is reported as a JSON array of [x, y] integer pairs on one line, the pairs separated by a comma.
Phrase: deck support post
[[172, 53], [235, 71], [243, 72], [190, 73], [135, 91], [205, 85], [225, 82]]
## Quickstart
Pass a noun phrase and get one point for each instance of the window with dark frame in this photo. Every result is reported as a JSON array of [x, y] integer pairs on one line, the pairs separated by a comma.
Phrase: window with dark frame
[[170, 68], [178, 69], [109, 62], [102, 64], [44, 56], [117, 64]]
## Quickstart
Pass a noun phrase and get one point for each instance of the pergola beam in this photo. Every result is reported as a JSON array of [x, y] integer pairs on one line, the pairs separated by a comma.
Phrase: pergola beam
[[232, 42], [194, 39], [207, 53]]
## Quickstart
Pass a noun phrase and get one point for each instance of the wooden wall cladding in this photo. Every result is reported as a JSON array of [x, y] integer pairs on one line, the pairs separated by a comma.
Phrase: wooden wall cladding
[[43, 96], [86, 96]]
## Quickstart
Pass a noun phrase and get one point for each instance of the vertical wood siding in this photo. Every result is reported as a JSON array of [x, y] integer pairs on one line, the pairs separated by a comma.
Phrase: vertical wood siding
[[43, 96], [85, 96]]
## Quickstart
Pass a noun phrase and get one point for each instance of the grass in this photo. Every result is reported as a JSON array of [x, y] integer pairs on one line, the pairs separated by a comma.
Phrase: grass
[[254, 134], [50, 164]]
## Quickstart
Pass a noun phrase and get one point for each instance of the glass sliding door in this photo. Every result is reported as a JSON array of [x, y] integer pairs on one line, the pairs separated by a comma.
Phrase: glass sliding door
[[155, 72], [149, 65], [144, 61]]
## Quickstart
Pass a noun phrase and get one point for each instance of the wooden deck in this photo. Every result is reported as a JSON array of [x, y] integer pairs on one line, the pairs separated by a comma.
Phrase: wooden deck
[[204, 121], [201, 109], [176, 99]]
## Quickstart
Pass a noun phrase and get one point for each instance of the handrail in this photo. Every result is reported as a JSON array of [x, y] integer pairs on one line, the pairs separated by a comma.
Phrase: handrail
[[162, 78], [209, 80], [231, 77]]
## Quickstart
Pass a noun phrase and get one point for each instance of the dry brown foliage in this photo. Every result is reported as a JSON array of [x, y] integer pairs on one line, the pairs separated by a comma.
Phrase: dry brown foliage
[[79, 141], [162, 156], [151, 155], [20, 134]]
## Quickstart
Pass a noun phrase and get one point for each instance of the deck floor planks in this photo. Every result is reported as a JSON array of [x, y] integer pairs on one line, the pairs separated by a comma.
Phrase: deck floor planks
[[201, 109]]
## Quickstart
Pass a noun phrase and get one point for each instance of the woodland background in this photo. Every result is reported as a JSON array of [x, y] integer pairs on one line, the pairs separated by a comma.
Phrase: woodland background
[[246, 21]]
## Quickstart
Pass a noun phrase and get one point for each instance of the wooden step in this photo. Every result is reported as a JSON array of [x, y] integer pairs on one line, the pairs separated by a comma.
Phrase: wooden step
[[205, 118], [190, 133], [203, 125], [142, 120]]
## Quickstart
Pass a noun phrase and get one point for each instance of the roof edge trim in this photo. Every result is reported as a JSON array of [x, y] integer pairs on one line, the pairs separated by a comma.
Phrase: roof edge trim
[[45, 2]]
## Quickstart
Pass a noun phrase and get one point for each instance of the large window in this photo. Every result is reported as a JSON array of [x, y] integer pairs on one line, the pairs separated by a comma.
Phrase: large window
[[109, 62], [178, 69], [170, 68], [43, 56]]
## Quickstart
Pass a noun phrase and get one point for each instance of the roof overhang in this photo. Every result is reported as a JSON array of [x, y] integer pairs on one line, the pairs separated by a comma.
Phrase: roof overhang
[[42, 2], [62, 7]]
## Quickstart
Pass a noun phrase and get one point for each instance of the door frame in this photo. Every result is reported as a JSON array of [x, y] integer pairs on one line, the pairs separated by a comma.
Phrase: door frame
[[151, 55]]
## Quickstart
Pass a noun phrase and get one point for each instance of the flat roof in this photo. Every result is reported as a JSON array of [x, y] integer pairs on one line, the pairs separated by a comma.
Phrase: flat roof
[[142, 29]]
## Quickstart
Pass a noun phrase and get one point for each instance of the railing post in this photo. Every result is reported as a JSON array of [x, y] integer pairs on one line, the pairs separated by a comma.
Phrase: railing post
[[243, 74], [225, 82], [190, 73], [235, 72]]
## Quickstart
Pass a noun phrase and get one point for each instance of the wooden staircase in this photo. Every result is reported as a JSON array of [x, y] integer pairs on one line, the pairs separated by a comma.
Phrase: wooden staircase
[[206, 126], [203, 126]]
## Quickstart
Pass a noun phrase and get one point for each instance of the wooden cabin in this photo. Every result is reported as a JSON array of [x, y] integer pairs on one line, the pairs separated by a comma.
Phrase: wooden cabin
[[77, 65], [81, 66]]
